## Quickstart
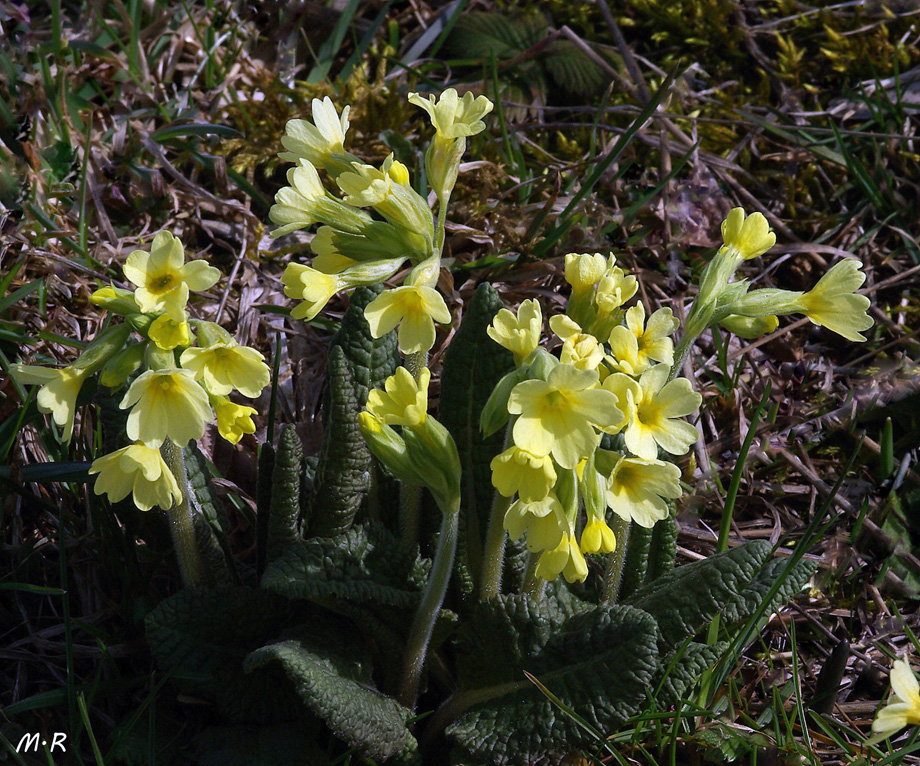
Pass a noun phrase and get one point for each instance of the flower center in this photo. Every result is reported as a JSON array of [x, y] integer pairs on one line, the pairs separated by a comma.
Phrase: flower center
[[162, 283]]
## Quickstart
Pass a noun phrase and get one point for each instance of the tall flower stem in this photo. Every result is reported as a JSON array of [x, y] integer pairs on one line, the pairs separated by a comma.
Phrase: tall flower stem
[[410, 496], [493, 556], [428, 609], [180, 518], [533, 586], [613, 578]]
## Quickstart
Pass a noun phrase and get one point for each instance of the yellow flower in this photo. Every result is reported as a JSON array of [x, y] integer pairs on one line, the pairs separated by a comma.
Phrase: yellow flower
[[233, 420], [58, 392], [517, 470], [905, 709], [305, 201], [415, 309], [832, 304], [747, 237], [613, 290], [652, 407], [519, 334], [387, 190], [321, 144], [452, 116], [578, 348], [597, 537], [636, 345], [637, 489], [403, 402], [558, 416], [313, 287], [543, 520], [583, 271], [169, 332], [223, 367], [139, 470], [166, 403], [163, 278], [565, 558]]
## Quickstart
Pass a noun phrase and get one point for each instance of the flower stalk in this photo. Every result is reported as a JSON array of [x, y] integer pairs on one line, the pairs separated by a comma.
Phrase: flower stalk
[[181, 524]]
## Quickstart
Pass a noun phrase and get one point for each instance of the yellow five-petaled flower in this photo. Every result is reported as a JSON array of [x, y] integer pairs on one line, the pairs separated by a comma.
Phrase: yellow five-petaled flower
[[905, 707]]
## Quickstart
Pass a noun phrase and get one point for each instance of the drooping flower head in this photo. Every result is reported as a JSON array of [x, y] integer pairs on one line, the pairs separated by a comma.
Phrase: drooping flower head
[[312, 287], [58, 392], [415, 309], [321, 143], [637, 489], [166, 404], [832, 303], [163, 278], [233, 420], [542, 520], [566, 558], [140, 471], [224, 367], [403, 402], [519, 334], [517, 470]]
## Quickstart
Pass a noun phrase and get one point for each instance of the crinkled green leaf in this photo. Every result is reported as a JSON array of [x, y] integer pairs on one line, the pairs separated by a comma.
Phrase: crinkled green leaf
[[753, 595], [679, 672], [574, 70], [473, 364], [483, 34], [331, 672], [599, 662], [343, 473], [284, 510], [686, 599], [367, 564], [206, 634]]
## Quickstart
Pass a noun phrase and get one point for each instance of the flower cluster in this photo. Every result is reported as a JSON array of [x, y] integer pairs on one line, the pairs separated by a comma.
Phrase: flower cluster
[[353, 246], [612, 377], [182, 387], [832, 303]]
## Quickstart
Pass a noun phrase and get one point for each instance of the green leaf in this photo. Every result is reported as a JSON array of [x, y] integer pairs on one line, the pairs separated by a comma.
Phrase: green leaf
[[482, 35], [686, 599], [284, 510], [574, 70], [204, 635], [257, 746], [343, 474], [194, 129], [752, 596], [680, 671], [598, 662], [372, 360], [366, 565], [331, 671], [473, 364]]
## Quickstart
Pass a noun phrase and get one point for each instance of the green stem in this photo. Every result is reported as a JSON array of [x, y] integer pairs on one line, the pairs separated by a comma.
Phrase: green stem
[[614, 575], [428, 609], [410, 497], [533, 586], [680, 354], [493, 557], [180, 518]]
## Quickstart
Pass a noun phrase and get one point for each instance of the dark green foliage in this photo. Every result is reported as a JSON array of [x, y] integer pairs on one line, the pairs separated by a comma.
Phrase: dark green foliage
[[372, 360], [263, 503], [598, 661], [636, 564], [210, 521], [473, 364], [663, 545], [680, 671], [258, 746], [754, 594], [367, 564], [330, 668], [687, 598], [204, 635], [284, 510], [343, 472]]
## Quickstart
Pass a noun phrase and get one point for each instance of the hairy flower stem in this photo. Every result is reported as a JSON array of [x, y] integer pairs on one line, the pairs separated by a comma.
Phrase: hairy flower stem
[[180, 518], [613, 578], [493, 557], [410, 496], [533, 586], [680, 354], [428, 609]]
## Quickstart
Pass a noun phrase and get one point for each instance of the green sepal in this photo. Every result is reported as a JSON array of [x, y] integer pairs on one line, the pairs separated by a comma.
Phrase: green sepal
[[366, 565], [330, 669], [343, 474]]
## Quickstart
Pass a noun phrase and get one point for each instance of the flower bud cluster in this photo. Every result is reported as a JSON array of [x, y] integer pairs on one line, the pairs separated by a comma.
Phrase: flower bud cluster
[[612, 376], [183, 386]]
